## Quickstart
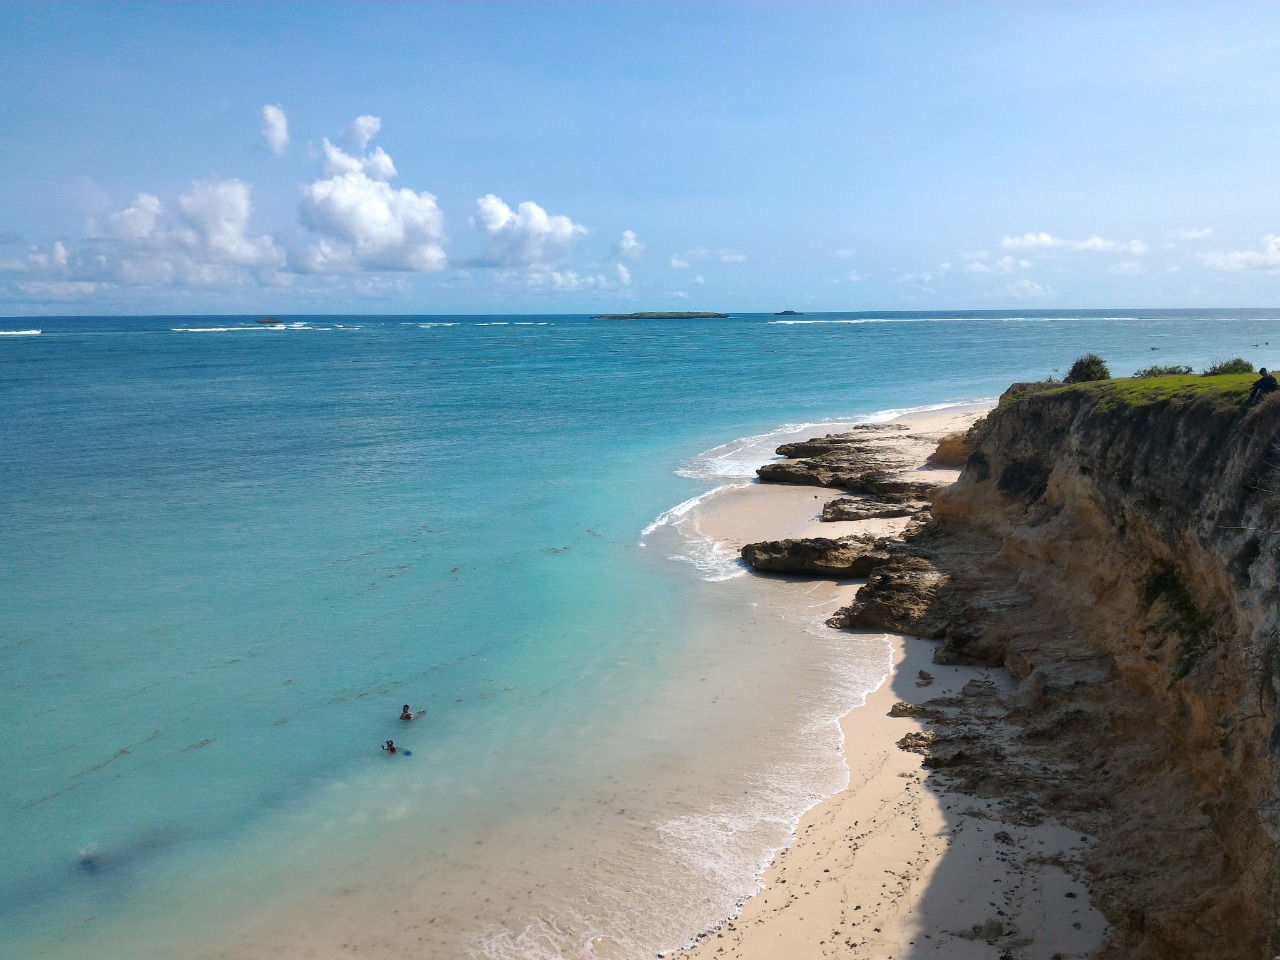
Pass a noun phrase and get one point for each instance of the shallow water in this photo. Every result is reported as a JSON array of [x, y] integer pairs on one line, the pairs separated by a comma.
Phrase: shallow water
[[232, 553]]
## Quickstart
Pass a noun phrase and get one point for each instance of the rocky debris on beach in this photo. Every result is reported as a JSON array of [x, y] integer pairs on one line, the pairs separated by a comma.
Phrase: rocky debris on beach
[[850, 557], [876, 458], [883, 459], [853, 509]]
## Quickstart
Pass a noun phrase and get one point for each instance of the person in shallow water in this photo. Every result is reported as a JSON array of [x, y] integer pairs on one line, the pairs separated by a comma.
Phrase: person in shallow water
[[390, 746], [406, 713], [1262, 386]]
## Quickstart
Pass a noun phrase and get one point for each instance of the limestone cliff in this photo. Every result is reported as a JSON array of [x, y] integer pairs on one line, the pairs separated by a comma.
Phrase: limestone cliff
[[1114, 546]]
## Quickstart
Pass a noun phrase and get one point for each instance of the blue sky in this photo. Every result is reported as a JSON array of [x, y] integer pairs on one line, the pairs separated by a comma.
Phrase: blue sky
[[581, 157]]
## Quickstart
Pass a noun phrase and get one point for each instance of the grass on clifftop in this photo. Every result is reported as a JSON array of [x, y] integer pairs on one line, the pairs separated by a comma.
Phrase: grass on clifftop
[[1226, 390]]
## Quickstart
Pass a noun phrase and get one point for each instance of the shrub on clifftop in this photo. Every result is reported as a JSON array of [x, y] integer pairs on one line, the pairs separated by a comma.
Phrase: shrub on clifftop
[[1088, 368], [1235, 365], [1176, 371]]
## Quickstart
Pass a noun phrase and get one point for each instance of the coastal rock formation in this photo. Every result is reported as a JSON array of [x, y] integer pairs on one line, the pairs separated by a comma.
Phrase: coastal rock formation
[[1115, 550], [842, 557], [872, 458], [953, 451], [848, 508]]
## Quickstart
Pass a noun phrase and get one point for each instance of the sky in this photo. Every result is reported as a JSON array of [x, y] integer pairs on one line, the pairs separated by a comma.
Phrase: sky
[[586, 157]]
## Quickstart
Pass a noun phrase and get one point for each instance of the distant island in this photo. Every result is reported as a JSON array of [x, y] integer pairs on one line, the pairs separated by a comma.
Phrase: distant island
[[788, 313], [661, 315]]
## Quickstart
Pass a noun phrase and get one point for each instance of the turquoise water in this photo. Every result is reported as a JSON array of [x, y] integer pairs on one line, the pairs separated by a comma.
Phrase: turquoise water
[[231, 553]]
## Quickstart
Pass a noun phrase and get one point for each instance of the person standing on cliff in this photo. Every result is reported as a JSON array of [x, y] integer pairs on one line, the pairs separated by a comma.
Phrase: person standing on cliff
[[1262, 386]]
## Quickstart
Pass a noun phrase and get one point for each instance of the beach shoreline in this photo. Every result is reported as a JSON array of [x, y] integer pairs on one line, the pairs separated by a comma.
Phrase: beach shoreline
[[898, 864]]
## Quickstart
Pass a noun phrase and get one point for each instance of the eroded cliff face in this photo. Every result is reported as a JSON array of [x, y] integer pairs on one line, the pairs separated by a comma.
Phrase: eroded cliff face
[[1121, 562]]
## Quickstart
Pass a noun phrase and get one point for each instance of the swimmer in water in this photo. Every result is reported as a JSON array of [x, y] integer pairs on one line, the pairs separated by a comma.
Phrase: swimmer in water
[[406, 713], [390, 746]]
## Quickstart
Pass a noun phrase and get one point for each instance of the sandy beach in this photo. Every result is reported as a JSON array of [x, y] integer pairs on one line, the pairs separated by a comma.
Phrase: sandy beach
[[899, 864]]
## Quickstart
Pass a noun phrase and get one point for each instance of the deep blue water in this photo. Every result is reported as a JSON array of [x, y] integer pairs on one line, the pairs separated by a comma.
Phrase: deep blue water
[[230, 553]]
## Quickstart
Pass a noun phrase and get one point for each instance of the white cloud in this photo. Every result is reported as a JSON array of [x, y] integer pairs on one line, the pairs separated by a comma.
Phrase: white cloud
[[1030, 241], [201, 240], [376, 165], [217, 213], [1267, 259], [62, 290], [680, 295], [137, 221], [1126, 268], [678, 262], [526, 236], [275, 128], [363, 129], [853, 276], [570, 281], [363, 223], [628, 246], [1025, 289], [843, 254], [1191, 233], [732, 256], [1095, 244], [1003, 265], [699, 280]]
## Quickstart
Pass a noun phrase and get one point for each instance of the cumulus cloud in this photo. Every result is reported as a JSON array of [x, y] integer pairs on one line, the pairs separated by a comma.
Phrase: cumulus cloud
[[376, 165], [629, 246], [678, 262], [275, 128], [359, 222], [732, 256], [527, 236], [1191, 233], [843, 254], [1126, 268], [1045, 241], [363, 223], [201, 239], [853, 276], [1267, 259], [216, 213], [135, 221], [363, 129]]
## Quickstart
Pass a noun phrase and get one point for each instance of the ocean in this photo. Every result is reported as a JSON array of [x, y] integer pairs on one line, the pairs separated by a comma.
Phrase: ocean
[[231, 553]]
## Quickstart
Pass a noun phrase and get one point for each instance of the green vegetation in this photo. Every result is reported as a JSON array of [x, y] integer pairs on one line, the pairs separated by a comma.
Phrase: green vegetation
[[660, 315], [1175, 371], [1162, 583], [1235, 365], [980, 428], [1088, 368], [1228, 390]]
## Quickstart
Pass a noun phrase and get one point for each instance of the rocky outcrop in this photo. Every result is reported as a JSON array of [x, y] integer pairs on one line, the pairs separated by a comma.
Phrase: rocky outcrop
[[953, 451], [850, 509], [877, 459], [1118, 556], [839, 558]]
